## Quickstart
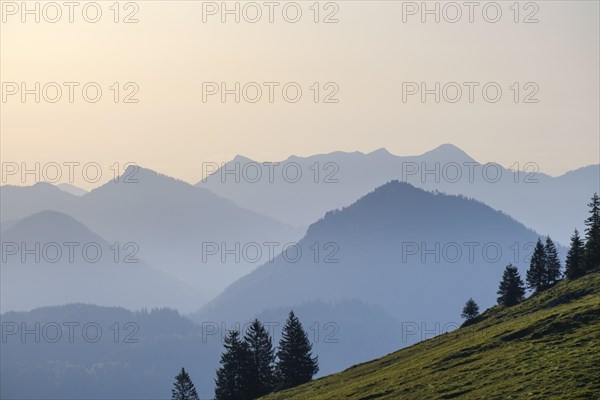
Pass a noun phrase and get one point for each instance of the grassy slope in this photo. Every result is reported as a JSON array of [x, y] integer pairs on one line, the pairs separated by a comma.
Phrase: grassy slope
[[547, 347]]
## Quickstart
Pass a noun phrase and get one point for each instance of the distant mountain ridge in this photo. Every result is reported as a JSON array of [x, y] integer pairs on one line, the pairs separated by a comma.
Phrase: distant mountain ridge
[[152, 346], [56, 260], [169, 219], [334, 180], [67, 187], [134, 356]]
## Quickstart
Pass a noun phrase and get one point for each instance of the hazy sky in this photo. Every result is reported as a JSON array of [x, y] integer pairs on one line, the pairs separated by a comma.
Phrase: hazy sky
[[368, 55]]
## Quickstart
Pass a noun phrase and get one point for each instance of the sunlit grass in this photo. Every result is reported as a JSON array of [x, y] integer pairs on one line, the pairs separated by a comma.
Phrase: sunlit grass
[[547, 347]]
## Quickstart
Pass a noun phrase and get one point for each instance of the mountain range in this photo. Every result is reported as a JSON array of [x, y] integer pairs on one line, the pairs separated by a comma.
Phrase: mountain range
[[396, 245], [50, 258], [300, 190], [376, 258], [172, 223]]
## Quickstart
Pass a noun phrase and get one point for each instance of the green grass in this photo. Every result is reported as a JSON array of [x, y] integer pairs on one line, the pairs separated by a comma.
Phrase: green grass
[[547, 347]]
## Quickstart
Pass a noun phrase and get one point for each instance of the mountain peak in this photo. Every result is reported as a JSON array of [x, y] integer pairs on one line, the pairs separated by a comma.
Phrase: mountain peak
[[38, 189], [49, 226], [137, 177], [382, 151], [448, 152], [72, 189], [43, 185], [241, 159], [50, 218]]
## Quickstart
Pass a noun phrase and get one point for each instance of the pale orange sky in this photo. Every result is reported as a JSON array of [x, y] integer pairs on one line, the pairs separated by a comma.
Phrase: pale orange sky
[[369, 53]]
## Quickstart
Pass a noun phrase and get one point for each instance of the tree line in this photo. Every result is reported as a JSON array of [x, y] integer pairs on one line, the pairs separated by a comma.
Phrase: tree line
[[545, 268], [251, 367]]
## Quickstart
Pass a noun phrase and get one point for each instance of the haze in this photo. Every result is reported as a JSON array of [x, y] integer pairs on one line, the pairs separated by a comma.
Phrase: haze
[[170, 53]]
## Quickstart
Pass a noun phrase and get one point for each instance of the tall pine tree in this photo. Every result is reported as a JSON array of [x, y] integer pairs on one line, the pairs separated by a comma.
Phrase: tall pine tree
[[262, 359], [295, 364], [575, 262], [592, 235], [511, 290], [233, 378], [470, 311], [183, 387], [552, 272], [536, 274]]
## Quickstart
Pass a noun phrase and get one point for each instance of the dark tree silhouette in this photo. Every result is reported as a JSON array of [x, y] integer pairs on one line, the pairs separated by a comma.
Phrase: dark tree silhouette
[[575, 262], [470, 311], [552, 272], [536, 274], [511, 290], [262, 359], [184, 388], [592, 235], [233, 377], [295, 364]]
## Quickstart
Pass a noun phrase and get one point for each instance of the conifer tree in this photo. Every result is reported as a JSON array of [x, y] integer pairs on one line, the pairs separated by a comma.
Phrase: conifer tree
[[470, 311], [536, 274], [592, 235], [233, 379], [511, 290], [295, 364], [552, 270], [183, 387], [575, 266], [262, 358]]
